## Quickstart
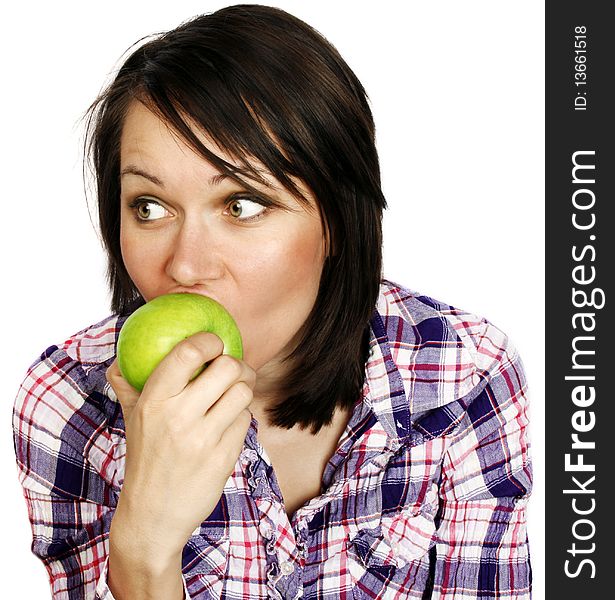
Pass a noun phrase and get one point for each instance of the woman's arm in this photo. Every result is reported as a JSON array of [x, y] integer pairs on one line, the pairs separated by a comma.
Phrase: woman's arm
[[183, 439], [131, 577], [70, 454]]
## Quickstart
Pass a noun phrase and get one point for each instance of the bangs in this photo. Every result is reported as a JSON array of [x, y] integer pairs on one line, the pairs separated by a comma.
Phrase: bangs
[[242, 115]]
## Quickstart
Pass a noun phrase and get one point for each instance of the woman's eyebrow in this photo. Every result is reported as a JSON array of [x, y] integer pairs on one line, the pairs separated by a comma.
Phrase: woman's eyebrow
[[132, 170]]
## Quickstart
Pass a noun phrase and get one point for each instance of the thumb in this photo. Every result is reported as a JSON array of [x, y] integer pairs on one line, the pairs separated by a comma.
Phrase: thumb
[[126, 394]]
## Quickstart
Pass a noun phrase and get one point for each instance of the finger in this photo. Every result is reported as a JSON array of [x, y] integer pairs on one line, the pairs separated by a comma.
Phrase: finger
[[126, 394], [173, 373], [225, 411], [211, 384], [233, 437]]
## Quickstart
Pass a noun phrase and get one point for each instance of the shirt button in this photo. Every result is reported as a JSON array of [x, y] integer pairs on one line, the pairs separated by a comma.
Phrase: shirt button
[[287, 568]]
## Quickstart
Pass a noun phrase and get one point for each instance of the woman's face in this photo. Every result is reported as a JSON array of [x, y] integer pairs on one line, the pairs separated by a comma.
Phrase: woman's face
[[183, 230]]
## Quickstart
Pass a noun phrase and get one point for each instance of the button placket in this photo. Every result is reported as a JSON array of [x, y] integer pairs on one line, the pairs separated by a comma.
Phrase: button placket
[[288, 580], [270, 546], [302, 543], [273, 573]]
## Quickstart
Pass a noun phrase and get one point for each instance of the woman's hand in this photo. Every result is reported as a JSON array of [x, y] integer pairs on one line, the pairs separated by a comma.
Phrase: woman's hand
[[183, 439]]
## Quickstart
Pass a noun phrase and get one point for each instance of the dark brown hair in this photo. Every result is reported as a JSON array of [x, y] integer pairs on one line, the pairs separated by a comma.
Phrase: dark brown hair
[[262, 83]]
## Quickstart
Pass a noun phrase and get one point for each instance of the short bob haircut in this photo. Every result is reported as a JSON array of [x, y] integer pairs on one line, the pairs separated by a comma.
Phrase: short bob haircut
[[262, 83]]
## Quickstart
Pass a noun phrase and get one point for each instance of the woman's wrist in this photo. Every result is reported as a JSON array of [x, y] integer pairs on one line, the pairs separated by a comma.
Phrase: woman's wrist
[[144, 546], [136, 572]]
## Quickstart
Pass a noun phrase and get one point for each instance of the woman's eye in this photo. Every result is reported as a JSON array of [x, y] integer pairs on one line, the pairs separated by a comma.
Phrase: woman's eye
[[243, 209], [147, 210]]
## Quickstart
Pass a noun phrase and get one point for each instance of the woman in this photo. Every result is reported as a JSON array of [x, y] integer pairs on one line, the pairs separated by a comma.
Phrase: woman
[[371, 443]]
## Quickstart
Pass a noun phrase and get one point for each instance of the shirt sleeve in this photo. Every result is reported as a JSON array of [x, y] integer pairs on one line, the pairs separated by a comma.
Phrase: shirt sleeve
[[68, 459], [482, 547]]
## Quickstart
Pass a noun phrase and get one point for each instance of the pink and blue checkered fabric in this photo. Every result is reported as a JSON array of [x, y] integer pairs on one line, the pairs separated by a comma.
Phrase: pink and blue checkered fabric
[[425, 496]]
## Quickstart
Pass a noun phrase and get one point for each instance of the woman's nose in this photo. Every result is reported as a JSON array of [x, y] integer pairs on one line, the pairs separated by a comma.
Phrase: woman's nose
[[195, 257]]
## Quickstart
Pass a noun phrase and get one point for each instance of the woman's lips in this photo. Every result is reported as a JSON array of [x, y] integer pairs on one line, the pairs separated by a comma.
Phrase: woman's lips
[[195, 290]]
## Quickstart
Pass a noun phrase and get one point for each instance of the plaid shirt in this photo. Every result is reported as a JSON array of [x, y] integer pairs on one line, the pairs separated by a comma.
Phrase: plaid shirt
[[425, 496]]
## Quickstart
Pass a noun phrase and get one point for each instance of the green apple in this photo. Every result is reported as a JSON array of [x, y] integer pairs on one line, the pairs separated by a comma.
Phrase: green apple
[[150, 333]]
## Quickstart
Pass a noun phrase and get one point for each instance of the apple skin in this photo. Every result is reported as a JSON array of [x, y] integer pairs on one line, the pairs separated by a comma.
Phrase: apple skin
[[150, 333]]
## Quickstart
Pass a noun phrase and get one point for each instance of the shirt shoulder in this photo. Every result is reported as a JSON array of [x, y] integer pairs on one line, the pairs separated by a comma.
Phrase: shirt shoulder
[[79, 359], [442, 353], [63, 412]]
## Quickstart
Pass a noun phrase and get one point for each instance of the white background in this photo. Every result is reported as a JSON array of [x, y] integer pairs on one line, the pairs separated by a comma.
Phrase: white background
[[457, 91]]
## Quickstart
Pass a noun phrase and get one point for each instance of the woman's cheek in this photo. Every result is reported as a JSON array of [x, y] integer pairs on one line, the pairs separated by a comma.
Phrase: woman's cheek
[[142, 264]]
